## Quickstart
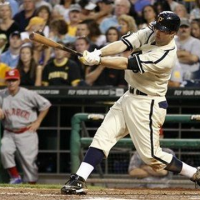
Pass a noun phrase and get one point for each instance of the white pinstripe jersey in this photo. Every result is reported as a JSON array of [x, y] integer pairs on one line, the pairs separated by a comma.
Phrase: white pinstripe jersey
[[155, 62]]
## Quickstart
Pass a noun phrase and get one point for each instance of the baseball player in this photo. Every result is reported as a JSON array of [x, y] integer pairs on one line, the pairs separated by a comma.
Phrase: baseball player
[[141, 111], [18, 112]]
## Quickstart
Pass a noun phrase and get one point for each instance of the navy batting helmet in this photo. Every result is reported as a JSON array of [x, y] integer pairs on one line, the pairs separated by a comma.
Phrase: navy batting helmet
[[167, 21]]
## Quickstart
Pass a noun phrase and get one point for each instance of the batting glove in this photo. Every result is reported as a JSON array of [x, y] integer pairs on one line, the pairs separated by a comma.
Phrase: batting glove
[[90, 59]]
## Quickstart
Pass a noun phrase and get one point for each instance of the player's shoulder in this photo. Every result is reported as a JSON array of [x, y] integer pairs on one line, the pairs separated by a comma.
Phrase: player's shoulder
[[27, 92], [3, 92], [148, 30]]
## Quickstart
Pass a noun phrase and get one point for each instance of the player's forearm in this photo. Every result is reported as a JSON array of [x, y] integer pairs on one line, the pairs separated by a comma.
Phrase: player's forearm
[[115, 62], [174, 84], [138, 173], [38, 81], [189, 59], [151, 172], [92, 76], [42, 115], [113, 48]]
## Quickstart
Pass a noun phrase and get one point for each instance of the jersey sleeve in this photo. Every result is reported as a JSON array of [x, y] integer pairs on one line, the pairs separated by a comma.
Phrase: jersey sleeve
[[136, 40], [155, 61], [39, 102]]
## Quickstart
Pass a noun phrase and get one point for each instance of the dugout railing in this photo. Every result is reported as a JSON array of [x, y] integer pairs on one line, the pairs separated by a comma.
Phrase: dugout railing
[[79, 140]]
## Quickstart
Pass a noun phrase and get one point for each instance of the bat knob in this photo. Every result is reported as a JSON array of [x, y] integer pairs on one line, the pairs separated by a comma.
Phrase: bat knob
[[31, 36]]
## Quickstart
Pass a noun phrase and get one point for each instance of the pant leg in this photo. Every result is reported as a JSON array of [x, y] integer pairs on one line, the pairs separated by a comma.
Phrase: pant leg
[[8, 149], [27, 151], [144, 118], [111, 130]]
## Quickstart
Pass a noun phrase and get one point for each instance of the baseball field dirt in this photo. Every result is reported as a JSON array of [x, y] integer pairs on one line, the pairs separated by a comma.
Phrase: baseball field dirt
[[23, 193]]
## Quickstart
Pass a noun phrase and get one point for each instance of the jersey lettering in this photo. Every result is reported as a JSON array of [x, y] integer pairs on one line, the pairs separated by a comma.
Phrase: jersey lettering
[[62, 75], [17, 112]]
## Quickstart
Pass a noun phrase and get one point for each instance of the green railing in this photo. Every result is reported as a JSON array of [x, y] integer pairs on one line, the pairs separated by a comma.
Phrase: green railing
[[77, 142]]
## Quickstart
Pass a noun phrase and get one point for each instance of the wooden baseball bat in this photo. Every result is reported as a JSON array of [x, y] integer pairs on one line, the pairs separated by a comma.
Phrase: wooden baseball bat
[[48, 42]]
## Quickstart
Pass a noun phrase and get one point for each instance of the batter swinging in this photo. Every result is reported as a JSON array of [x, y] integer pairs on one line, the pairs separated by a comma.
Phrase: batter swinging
[[141, 111]]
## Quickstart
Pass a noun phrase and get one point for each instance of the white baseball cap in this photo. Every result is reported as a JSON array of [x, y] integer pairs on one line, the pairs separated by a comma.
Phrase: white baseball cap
[[90, 6]]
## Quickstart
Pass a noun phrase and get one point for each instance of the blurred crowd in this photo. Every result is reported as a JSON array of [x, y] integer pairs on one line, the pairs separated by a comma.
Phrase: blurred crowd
[[89, 25]]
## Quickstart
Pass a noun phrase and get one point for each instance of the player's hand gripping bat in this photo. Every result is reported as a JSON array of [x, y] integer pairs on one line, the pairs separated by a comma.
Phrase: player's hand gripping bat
[[48, 42]]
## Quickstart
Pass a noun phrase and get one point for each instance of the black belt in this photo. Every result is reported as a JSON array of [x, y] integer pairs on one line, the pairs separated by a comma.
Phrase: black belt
[[136, 91]]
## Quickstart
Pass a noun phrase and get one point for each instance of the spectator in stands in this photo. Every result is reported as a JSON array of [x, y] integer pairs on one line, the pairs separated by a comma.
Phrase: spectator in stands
[[188, 52], [181, 11], [39, 3], [95, 34], [105, 10], [61, 71], [24, 16], [195, 28], [127, 23], [61, 10], [3, 69], [161, 6], [139, 170], [140, 4], [74, 19], [195, 12], [3, 42], [14, 6], [172, 4], [148, 15], [7, 24], [44, 13], [120, 7], [112, 35], [58, 31], [88, 8], [11, 56], [102, 76], [41, 53], [176, 76], [35, 24], [83, 30], [30, 71], [81, 44]]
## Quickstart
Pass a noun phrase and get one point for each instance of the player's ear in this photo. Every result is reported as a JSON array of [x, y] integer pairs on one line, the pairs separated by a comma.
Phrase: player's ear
[[173, 33]]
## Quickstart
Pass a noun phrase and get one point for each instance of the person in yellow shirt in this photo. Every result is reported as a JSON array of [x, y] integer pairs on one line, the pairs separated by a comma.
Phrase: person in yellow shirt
[[74, 19], [3, 69]]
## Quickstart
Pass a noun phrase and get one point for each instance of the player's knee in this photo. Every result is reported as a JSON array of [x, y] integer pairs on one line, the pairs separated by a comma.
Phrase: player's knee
[[5, 152]]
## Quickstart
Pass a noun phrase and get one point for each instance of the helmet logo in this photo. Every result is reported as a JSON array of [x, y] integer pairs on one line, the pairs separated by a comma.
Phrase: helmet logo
[[160, 19]]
